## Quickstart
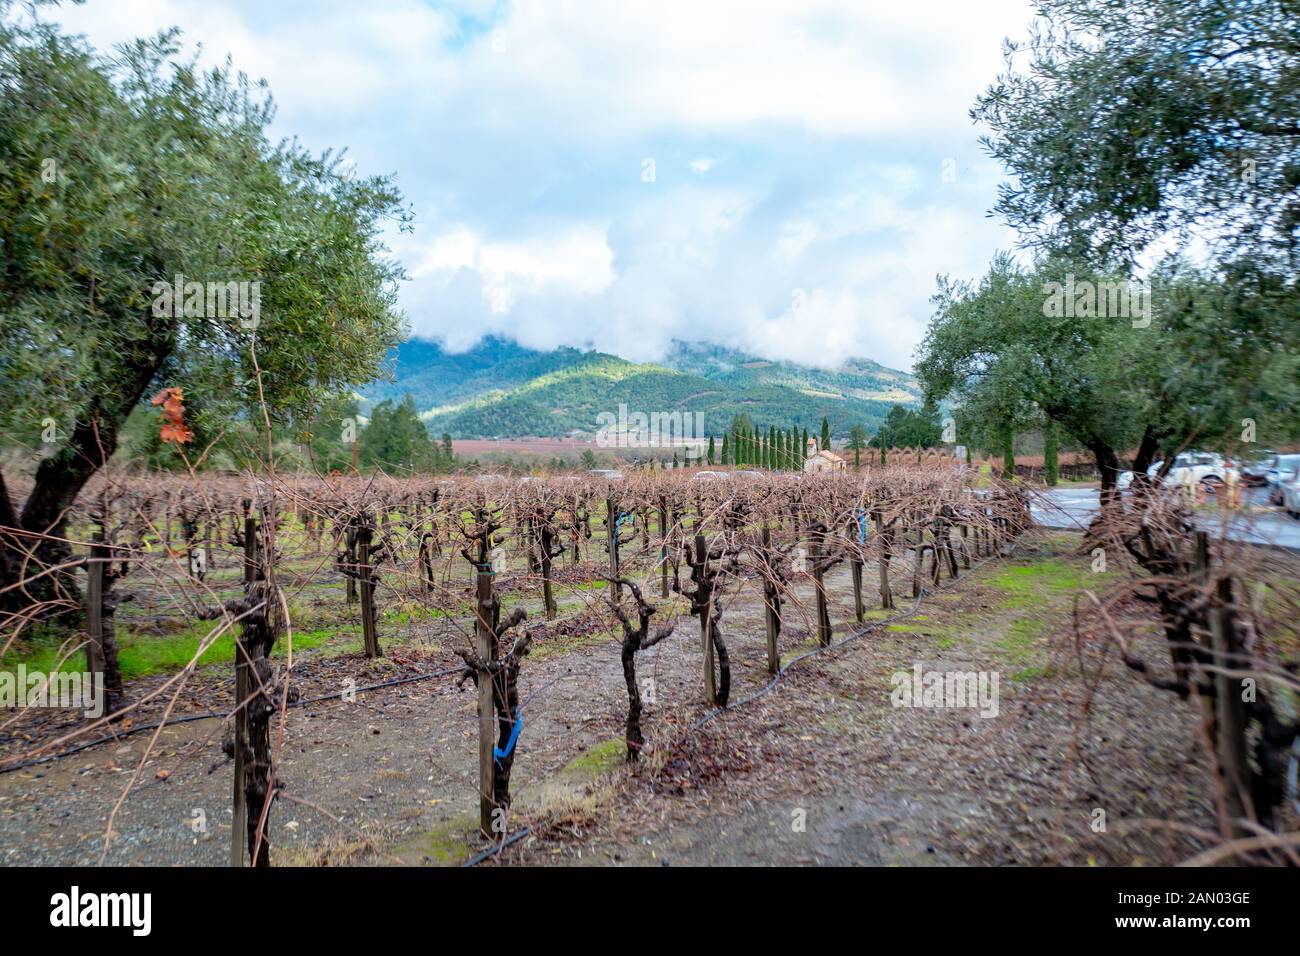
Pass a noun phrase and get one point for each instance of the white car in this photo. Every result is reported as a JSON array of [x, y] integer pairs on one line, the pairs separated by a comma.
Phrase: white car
[[1204, 467], [1285, 472], [1291, 498]]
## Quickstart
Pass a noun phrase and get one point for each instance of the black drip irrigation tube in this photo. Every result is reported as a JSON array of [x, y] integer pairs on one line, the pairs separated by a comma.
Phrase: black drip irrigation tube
[[213, 715], [496, 848]]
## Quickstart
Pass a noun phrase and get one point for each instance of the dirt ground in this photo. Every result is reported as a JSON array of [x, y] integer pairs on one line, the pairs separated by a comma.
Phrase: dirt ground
[[820, 769]]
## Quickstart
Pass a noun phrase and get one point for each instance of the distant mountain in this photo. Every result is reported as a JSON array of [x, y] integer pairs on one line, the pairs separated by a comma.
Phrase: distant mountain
[[856, 378], [501, 389]]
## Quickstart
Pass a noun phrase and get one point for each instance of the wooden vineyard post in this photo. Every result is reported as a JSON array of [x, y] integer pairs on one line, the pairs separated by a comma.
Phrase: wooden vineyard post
[[611, 532], [965, 546], [1231, 745], [350, 557], [823, 614], [916, 563], [663, 549], [855, 564], [486, 653], [855, 568], [424, 563], [363, 570], [586, 531], [256, 704], [250, 543], [243, 689], [548, 589], [934, 552], [886, 594], [101, 637], [943, 528], [706, 626], [769, 599], [243, 692], [1230, 725], [95, 569]]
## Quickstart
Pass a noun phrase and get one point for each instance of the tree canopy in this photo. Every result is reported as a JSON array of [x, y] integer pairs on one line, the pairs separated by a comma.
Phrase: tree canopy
[[1214, 349], [1125, 122], [125, 175]]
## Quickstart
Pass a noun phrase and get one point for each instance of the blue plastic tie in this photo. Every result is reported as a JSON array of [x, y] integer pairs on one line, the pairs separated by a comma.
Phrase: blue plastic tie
[[497, 752]]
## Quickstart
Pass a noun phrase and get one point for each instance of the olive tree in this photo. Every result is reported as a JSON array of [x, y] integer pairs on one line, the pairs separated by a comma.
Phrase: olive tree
[[124, 176]]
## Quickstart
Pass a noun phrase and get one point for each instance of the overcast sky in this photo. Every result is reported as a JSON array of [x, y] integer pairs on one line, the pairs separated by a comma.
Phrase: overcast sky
[[786, 178]]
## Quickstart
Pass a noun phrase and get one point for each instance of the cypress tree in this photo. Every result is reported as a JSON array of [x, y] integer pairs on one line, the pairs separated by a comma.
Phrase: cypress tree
[[724, 449], [803, 448], [826, 436], [711, 450]]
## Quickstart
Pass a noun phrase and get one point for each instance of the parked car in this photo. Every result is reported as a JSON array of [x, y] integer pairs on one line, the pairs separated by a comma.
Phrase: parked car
[[1291, 498], [1205, 467], [1283, 473], [1255, 472]]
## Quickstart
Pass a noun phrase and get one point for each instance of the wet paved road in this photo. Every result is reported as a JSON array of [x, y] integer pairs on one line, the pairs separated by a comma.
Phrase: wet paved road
[[1074, 508]]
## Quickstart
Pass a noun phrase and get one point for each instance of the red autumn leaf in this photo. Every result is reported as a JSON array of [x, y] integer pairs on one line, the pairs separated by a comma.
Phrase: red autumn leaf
[[173, 408]]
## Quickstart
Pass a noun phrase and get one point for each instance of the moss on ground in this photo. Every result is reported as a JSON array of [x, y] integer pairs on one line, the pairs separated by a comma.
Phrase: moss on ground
[[597, 759], [1034, 585], [447, 844], [141, 655]]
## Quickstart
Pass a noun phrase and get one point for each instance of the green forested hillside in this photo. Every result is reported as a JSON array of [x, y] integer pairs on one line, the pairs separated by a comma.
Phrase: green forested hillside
[[500, 389]]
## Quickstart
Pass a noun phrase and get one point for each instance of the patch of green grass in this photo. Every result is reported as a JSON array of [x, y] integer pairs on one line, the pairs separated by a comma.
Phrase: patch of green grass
[[597, 759], [1034, 585], [1027, 674], [945, 643], [1018, 642], [448, 843], [417, 612], [797, 650], [140, 655]]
